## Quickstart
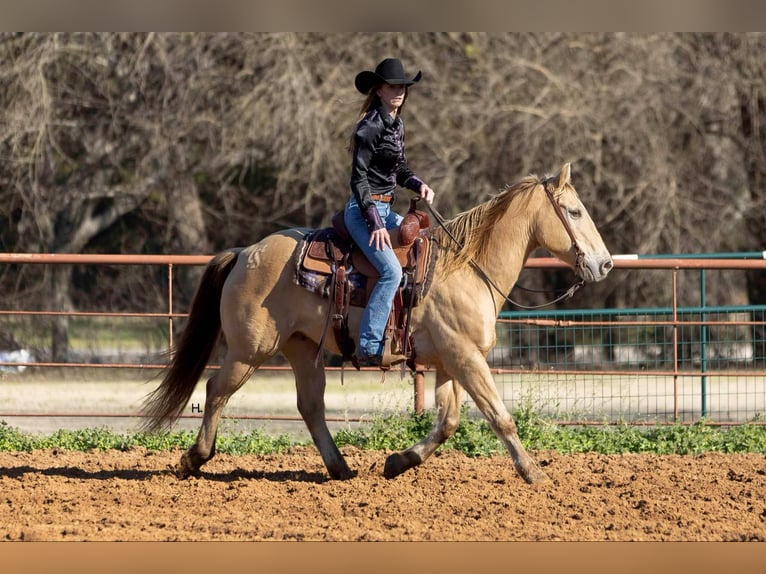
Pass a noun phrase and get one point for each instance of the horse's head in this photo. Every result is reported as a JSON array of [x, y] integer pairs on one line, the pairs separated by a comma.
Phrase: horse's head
[[566, 229]]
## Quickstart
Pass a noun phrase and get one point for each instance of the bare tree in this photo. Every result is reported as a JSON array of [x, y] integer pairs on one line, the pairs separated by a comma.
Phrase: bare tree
[[196, 142], [740, 67]]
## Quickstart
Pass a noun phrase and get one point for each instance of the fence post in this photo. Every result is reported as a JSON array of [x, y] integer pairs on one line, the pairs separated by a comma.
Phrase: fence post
[[675, 345], [703, 345], [418, 391]]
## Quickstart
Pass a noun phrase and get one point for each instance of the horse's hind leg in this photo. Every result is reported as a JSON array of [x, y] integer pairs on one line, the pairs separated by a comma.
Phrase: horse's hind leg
[[449, 396], [310, 385], [220, 387]]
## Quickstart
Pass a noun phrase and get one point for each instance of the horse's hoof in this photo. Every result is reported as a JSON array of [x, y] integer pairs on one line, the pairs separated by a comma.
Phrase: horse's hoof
[[185, 468], [535, 476], [344, 473], [399, 462]]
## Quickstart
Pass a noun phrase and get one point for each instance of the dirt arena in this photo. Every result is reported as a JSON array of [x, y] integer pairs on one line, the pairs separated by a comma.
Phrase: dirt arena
[[134, 496]]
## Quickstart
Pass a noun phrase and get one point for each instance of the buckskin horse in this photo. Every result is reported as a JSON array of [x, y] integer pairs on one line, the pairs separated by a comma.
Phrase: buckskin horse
[[250, 296]]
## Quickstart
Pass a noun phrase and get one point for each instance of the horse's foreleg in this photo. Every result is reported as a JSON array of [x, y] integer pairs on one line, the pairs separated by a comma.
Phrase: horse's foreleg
[[310, 385], [220, 387], [477, 380], [449, 396]]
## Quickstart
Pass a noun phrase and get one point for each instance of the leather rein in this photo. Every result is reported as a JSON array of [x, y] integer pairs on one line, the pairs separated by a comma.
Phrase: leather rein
[[579, 255]]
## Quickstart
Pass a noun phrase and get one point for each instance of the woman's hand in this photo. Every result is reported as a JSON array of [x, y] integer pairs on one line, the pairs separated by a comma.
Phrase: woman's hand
[[380, 238], [427, 193]]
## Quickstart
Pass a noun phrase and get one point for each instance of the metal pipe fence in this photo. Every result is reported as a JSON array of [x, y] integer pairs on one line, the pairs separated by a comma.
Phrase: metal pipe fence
[[646, 366]]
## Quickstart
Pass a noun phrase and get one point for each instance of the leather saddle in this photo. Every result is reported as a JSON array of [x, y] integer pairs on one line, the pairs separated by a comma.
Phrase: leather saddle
[[329, 263]]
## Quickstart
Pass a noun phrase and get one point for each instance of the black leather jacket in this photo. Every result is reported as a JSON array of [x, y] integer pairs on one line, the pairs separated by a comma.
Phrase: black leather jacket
[[379, 164]]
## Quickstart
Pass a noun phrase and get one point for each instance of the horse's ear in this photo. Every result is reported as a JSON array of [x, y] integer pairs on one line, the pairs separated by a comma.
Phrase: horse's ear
[[565, 176]]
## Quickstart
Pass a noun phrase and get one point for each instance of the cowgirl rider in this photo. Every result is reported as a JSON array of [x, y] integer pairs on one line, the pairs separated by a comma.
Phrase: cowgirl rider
[[377, 167]]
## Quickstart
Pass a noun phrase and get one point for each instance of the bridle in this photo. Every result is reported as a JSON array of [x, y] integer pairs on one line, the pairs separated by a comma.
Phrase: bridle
[[579, 255]]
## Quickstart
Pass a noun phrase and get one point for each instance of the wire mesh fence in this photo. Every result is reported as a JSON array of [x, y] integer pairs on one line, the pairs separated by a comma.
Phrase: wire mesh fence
[[640, 366]]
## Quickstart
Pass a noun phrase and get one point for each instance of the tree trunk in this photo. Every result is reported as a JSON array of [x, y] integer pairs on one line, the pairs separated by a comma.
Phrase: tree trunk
[[62, 302], [188, 234], [756, 294], [75, 228]]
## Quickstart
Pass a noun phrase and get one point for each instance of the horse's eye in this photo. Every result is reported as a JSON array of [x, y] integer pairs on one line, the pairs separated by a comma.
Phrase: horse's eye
[[575, 213]]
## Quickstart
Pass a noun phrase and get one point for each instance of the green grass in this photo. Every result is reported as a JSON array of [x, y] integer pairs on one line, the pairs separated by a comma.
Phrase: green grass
[[395, 432], [474, 437], [255, 442]]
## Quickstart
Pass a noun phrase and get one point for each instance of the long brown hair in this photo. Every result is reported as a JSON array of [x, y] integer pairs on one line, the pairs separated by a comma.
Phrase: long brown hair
[[371, 102]]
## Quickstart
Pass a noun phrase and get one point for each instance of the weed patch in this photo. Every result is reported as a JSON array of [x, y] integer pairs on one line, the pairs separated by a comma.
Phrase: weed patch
[[473, 437]]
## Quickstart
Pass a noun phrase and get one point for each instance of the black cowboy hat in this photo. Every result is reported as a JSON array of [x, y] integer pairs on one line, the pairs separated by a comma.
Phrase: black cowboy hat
[[389, 71]]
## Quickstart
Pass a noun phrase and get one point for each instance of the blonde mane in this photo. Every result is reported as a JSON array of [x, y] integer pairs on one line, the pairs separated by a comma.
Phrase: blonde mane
[[472, 228]]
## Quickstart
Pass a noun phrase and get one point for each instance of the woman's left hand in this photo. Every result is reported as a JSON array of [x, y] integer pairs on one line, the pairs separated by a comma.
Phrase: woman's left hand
[[427, 193]]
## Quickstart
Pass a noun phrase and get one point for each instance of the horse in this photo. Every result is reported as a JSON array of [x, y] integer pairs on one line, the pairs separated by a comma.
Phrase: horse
[[248, 300]]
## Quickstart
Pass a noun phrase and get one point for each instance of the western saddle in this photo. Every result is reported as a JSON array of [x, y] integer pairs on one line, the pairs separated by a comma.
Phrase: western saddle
[[328, 263]]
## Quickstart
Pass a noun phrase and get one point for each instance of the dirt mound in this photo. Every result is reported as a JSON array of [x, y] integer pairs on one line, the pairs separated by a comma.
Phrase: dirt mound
[[56, 495]]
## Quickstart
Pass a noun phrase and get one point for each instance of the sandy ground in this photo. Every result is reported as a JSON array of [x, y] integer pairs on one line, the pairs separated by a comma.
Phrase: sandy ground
[[135, 496]]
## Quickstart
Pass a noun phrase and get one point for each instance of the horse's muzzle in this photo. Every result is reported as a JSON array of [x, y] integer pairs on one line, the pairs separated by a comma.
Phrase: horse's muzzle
[[594, 271]]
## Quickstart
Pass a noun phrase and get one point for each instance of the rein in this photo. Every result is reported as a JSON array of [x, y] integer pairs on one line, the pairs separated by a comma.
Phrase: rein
[[578, 254]]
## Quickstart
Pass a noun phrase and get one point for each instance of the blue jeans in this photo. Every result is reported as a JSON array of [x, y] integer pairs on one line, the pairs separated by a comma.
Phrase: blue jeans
[[373, 325]]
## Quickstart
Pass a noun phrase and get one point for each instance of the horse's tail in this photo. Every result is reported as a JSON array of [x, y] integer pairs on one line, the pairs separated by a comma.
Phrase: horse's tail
[[197, 342]]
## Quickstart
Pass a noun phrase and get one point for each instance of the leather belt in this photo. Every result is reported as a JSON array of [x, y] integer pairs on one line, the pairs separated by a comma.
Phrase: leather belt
[[379, 197]]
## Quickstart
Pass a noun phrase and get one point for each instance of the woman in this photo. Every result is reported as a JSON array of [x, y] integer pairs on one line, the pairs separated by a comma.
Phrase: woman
[[378, 166]]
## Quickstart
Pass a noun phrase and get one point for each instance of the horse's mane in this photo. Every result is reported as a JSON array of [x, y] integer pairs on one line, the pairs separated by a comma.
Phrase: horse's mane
[[472, 228]]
